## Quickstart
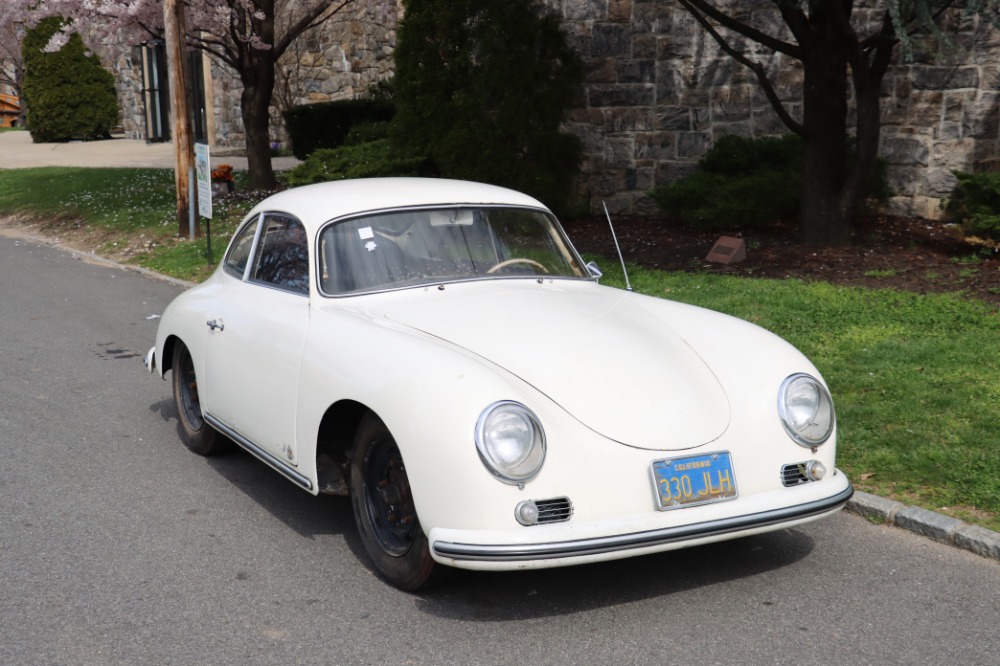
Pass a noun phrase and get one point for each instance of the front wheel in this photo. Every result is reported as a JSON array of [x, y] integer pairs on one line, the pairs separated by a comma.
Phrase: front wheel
[[384, 510], [196, 434]]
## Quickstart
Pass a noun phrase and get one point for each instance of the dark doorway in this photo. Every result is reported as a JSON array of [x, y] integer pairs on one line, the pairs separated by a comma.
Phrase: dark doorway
[[196, 93], [155, 91]]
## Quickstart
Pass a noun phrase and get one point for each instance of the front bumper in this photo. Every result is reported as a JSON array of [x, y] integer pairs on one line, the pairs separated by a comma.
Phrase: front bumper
[[579, 551]]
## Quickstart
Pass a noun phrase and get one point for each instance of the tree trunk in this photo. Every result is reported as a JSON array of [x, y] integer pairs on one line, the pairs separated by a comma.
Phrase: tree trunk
[[255, 103], [824, 221], [867, 72], [257, 75], [862, 171]]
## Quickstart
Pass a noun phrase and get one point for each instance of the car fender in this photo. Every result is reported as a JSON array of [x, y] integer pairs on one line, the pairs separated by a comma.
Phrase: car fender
[[402, 375]]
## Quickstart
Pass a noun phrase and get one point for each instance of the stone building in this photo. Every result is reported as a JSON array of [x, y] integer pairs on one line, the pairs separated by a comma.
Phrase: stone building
[[658, 92], [338, 61]]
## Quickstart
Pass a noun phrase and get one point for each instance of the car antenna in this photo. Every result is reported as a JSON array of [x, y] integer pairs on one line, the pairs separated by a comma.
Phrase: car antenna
[[628, 285]]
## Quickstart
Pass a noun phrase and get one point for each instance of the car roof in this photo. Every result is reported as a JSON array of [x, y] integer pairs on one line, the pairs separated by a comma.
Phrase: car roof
[[316, 204]]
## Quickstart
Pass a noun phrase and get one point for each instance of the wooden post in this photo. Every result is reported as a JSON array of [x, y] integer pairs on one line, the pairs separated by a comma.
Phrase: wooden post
[[173, 23]]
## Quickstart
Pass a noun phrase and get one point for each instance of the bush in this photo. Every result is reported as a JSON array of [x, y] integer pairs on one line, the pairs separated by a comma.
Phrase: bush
[[67, 93], [363, 160], [482, 87], [740, 184], [976, 204], [746, 183], [327, 124]]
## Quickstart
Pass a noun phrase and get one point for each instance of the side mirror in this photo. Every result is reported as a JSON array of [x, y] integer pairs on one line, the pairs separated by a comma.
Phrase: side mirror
[[594, 270]]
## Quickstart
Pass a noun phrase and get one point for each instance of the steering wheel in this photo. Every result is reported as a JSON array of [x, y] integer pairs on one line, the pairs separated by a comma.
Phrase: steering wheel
[[517, 260]]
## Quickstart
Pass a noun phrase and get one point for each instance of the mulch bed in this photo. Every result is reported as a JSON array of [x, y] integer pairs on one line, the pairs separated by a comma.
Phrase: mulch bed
[[886, 252]]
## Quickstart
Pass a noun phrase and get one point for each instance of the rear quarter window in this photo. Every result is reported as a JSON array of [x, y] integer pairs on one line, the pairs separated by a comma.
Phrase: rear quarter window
[[239, 253]]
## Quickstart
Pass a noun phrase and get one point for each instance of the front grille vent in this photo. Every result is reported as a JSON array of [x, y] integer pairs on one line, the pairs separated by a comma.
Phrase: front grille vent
[[794, 474], [555, 510]]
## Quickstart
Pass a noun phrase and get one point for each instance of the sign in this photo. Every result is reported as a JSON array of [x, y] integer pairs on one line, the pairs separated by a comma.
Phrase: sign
[[203, 175], [727, 250]]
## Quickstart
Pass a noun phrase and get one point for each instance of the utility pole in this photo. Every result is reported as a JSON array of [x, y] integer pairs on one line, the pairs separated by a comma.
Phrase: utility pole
[[173, 24]]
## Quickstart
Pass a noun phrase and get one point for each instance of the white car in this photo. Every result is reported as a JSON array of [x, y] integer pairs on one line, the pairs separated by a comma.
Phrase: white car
[[438, 350]]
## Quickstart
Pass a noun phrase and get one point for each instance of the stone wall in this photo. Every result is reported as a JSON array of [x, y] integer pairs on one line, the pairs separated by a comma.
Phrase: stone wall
[[659, 92], [128, 84], [338, 61]]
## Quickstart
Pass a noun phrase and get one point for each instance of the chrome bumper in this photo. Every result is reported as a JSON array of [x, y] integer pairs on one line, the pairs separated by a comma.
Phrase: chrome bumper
[[624, 542]]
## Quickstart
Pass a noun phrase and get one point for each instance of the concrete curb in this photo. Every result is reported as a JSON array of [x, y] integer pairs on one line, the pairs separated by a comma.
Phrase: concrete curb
[[945, 529]]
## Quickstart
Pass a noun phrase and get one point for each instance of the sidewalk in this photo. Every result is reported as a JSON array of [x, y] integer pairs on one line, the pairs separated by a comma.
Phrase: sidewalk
[[17, 151]]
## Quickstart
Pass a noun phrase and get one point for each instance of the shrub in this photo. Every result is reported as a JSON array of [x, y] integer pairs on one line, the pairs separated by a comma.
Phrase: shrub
[[363, 160], [746, 183], [327, 124], [740, 184], [482, 87], [976, 204], [68, 94]]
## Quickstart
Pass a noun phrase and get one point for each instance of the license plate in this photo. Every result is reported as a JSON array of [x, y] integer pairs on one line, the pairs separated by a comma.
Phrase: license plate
[[694, 480]]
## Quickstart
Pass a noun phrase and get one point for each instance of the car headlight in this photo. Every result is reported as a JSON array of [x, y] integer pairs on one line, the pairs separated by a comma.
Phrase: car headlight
[[806, 410], [510, 441]]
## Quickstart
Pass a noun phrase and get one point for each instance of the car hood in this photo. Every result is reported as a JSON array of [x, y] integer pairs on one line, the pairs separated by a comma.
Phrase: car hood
[[597, 352]]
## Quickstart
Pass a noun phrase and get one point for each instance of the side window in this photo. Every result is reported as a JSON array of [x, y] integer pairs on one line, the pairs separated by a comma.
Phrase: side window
[[282, 258], [239, 255]]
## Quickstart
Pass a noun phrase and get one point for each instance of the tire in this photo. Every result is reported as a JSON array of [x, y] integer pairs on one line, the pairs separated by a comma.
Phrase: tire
[[194, 431], [384, 509]]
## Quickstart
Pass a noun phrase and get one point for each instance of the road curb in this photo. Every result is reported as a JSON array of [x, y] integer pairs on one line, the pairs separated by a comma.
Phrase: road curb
[[944, 529]]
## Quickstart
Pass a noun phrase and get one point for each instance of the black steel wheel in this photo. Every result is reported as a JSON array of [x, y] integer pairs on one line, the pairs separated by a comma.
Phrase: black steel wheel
[[384, 509], [196, 434]]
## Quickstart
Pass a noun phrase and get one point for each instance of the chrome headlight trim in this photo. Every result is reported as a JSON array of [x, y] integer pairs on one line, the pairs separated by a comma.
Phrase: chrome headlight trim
[[510, 441], [806, 410]]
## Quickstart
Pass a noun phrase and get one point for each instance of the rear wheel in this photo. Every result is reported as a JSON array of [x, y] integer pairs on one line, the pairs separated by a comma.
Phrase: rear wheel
[[384, 509], [196, 434]]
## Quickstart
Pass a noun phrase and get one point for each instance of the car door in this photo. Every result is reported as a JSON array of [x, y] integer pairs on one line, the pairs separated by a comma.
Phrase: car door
[[256, 336]]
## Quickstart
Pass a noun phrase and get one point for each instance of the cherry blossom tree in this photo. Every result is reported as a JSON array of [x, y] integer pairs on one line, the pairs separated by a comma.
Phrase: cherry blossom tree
[[249, 36]]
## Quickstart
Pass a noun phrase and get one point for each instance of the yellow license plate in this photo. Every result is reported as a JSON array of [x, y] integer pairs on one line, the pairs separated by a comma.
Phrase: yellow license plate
[[693, 480]]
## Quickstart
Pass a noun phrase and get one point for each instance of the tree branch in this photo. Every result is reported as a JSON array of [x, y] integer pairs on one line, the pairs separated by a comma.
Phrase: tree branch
[[728, 22], [753, 66], [313, 17]]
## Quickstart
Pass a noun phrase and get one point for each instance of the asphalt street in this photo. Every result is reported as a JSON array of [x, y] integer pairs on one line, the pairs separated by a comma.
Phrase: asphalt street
[[118, 546]]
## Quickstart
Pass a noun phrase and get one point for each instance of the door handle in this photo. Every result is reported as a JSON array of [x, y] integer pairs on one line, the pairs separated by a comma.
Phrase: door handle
[[215, 324]]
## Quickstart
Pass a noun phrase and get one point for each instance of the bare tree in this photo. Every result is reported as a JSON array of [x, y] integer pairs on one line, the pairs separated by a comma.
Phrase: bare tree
[[249, 36], [845, 55]]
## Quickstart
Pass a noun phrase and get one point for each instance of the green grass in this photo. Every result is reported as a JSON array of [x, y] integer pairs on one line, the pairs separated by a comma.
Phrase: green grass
[[881, 273], [126, 203], [121, 199], [916, 378]]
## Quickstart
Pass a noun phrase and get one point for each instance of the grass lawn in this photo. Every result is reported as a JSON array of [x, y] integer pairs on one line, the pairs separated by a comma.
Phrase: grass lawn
[[916, 378], [133, 209]]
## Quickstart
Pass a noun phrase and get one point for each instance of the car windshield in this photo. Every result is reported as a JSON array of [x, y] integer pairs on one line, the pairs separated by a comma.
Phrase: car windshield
[[415, 247]]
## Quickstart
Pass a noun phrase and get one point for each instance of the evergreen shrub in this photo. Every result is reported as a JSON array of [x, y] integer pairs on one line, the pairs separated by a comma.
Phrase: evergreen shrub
[[740, 184], [976, 204], [368, 159], [327, 124], [67, 93], [482, 88], [744, 183]]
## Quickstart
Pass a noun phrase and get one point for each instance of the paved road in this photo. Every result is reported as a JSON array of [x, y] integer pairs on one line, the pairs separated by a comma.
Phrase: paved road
[[117, 546]]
